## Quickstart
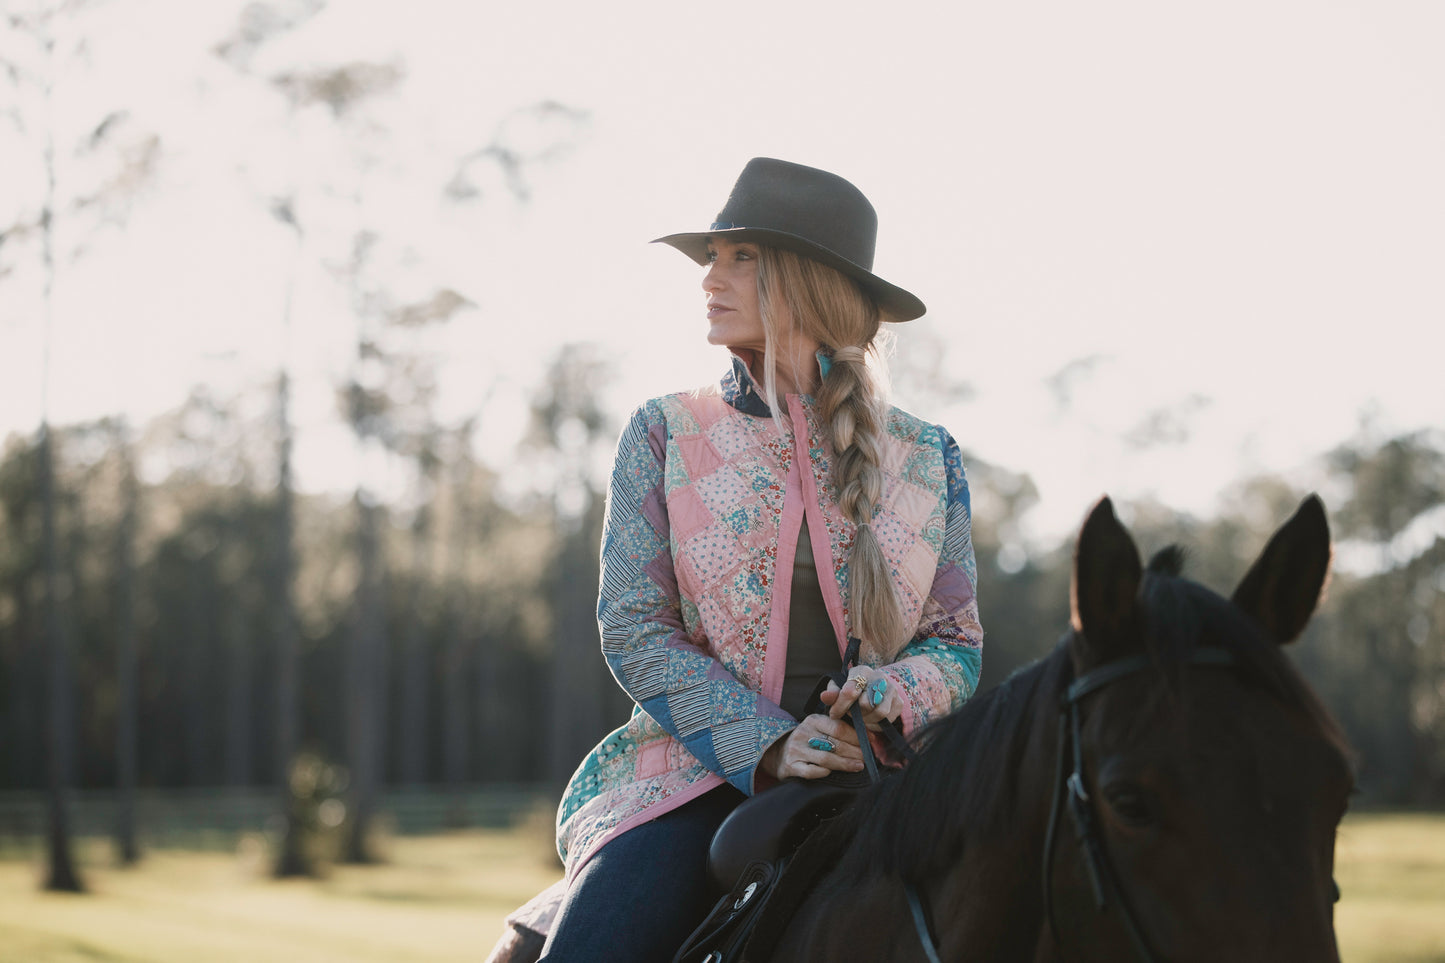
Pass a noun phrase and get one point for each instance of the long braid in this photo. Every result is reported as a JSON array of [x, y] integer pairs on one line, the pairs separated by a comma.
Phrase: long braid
[[854, 417], [831, 309]]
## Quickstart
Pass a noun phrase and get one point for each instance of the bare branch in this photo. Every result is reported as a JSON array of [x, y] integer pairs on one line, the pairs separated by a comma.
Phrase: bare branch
[[19, 231], [138, 162], [439, 307], [259, 23], [1169, 425], [340, 88], [103, 130], [1063, 383], [538, 134], [284, 210]]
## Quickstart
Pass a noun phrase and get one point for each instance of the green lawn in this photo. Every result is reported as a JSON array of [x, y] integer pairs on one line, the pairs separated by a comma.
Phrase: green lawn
[[1391, 871], [438, 898], [442, 898]]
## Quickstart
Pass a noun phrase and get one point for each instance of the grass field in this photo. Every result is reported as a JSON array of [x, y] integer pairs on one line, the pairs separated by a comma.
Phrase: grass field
[[1391, 871], [442, 898]]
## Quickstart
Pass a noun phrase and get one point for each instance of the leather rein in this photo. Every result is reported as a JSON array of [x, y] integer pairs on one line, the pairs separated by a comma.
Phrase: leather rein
[[922, 925]]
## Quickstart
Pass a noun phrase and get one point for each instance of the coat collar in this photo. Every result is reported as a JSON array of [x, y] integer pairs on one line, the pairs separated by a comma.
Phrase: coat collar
[[740, 390]]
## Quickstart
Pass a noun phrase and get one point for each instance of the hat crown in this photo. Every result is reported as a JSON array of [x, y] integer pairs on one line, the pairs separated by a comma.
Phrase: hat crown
[[807, 211], [808, 203]]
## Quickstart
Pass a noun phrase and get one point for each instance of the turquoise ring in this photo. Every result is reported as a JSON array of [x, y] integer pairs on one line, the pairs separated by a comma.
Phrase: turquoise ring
[[877, 691], [822, 745]]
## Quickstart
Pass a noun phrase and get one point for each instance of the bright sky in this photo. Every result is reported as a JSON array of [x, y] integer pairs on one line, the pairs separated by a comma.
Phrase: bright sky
[[1166, 245]]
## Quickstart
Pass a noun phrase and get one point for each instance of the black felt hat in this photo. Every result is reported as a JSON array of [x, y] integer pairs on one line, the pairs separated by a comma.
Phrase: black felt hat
[[810, 212]]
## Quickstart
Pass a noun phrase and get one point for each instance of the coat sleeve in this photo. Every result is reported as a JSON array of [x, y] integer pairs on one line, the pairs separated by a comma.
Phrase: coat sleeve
[[702, 705], [939, 668]]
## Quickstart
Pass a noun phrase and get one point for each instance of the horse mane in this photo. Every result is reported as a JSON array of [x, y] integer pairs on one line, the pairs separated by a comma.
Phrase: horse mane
[[965, 785]]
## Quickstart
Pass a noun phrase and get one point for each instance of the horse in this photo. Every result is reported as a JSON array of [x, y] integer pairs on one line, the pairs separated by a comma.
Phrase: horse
[[1203, 779], [1163, 786]]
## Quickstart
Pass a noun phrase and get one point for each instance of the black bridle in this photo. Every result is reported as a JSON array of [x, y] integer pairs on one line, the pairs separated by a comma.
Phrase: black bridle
[[1068, 785], [1101, 873], [1071, 787]]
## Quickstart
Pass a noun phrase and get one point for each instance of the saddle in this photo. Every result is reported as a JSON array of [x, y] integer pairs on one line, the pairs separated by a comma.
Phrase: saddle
[[771, 825], [763, 836]]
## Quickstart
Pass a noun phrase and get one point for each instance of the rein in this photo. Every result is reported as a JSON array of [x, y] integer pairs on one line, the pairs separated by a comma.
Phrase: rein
[[916, 908], [1101, 873]]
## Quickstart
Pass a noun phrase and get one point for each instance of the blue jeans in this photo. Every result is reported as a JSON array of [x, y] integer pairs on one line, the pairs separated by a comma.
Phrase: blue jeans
[[645, 891]]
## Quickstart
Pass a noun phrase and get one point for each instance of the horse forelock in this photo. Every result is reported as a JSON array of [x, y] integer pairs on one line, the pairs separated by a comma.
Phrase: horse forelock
[[1169, 560]]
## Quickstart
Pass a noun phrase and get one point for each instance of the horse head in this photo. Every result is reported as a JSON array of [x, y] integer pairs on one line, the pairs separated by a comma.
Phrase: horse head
[[1210, 781]]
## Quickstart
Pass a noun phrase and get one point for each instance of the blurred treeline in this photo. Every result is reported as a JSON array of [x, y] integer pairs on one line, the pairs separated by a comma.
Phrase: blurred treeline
[[478, 631]]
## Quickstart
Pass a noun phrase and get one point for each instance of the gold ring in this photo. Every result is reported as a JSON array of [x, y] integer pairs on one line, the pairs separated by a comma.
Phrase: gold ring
[[860, 683]]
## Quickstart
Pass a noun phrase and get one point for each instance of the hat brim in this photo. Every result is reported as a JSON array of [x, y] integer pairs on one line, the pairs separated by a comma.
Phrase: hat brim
[[895, 303]]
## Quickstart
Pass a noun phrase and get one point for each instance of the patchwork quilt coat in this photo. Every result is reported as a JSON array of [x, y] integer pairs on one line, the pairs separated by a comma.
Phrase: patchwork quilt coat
[[706, 501]]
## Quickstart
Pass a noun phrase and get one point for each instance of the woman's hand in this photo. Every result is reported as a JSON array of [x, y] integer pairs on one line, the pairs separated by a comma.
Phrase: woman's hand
[[818, 746], [877, 696]]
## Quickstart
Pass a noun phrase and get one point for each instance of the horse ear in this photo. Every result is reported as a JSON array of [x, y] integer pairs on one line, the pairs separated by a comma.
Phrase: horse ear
[[1283, 585], [1104, 595]]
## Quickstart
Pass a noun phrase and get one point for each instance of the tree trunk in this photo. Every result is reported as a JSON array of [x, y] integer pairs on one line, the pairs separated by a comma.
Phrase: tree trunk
[[200, 648], [291, 857], [365, 691], [26, 724], [238, 695], [412, 744], [61, 875], [456, 741], [577, 690], [127, 849]]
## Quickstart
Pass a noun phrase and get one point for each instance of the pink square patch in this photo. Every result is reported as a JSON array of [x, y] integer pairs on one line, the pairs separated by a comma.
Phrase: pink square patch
[[723, 491], [699, 455], [687, 513], [895, 538], [713, 552], [652, 759], [919, 567], [913, 505], [894, 455], [730, 436], [712, 616]]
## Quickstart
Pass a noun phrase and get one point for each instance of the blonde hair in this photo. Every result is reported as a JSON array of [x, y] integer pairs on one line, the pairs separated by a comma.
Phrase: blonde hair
[[830, 308]]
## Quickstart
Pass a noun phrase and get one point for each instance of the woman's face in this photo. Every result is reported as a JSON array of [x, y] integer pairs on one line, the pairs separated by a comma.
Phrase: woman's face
[[731, 284]]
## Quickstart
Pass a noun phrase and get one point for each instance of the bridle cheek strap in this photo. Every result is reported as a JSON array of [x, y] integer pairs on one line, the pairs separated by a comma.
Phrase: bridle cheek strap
[[1070, 750]]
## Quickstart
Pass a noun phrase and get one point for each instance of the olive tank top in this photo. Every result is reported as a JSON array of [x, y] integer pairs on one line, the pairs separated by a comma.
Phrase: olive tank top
[[812, 647]]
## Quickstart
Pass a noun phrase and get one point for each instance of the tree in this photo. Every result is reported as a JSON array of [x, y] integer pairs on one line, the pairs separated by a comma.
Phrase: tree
[[259, 25], [1384, 667], [85, 207], [127, 702], [568, 432]]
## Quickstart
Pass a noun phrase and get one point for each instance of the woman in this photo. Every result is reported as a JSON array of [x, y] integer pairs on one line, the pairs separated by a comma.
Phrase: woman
[[750, 531]]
